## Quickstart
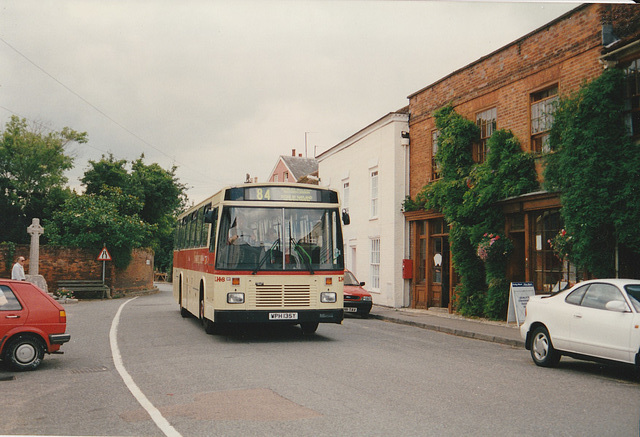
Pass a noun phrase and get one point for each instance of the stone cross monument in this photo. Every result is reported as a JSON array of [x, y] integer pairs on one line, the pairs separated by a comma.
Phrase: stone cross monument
[[35, 230]]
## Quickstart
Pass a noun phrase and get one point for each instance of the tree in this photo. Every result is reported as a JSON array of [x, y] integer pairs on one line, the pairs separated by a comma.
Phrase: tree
[[91, 220], [159, 193], [595, 165], [32, 181], [106, 172]]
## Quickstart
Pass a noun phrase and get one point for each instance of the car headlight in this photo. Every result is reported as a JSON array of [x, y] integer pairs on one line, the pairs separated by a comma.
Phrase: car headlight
[[366, 298], [235, 297], [328, 297]]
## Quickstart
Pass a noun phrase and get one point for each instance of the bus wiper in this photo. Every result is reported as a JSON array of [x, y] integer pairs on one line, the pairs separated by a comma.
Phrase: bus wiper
[[264, 256], [302, 253]]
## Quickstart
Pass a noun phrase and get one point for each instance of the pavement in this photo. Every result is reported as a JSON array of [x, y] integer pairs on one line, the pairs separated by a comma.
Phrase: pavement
[[437, 319]]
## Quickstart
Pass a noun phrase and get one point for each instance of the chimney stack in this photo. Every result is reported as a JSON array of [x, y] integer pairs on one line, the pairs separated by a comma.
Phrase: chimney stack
[[293, 152]]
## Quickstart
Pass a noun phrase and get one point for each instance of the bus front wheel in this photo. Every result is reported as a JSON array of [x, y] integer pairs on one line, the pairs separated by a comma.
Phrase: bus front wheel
[[309, 327]]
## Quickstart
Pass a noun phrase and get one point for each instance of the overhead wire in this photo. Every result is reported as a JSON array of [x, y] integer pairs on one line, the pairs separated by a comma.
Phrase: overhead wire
[[100, 111]]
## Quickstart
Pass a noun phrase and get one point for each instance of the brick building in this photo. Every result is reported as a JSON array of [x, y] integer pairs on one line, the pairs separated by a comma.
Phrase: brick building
[[512, 88]]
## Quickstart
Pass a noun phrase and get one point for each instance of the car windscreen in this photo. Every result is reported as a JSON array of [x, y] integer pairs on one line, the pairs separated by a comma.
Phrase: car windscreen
[[634, 295], [349, 279]]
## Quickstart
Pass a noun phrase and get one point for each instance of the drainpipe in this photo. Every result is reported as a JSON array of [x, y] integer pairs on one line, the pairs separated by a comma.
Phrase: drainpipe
[[405, 142]]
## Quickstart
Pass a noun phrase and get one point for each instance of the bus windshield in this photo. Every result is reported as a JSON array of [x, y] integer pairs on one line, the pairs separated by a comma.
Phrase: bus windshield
[[255, 239]]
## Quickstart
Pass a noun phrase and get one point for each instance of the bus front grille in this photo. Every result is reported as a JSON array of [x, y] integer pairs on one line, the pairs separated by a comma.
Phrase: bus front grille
[[283, 296]]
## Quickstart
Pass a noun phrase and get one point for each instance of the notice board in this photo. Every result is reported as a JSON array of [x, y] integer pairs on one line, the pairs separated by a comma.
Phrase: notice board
[[519, 294]]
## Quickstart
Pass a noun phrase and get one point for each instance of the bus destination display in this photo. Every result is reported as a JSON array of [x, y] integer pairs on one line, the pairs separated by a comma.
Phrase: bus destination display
[[282, 194]]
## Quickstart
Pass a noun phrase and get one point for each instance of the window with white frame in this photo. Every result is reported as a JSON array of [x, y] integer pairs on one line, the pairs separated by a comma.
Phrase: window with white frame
[[286, 176], [486, 121], [345, 195], [374, 265], [543, 105], [374, 193], [632, 103], [435, 167], [275, 178]]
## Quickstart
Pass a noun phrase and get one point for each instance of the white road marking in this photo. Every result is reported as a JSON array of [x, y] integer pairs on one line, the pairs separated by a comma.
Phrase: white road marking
[[155, 414]]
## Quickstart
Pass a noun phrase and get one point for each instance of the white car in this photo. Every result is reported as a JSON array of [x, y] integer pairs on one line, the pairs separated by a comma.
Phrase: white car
[[594, 320]]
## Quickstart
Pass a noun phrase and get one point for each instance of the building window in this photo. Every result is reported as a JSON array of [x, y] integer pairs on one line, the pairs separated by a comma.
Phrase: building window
[[275, 178], [374, 270], [486, 121], [632, 104], [435, 167], [286, 176], [547, 266], [438, 247], [543, 105], [374, 193], [421, 235], [345, 195]]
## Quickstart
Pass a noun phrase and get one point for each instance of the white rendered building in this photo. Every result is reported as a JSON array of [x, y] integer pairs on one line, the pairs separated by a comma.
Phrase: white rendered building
[[370, 171]]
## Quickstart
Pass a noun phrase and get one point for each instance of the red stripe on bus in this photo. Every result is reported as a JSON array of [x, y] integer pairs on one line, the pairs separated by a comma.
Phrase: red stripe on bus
[[278, 272], [199, 260]]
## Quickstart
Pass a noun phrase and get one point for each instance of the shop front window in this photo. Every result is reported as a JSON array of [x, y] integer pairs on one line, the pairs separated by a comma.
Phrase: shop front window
[[421, 235], [547, 266], [551, 273]]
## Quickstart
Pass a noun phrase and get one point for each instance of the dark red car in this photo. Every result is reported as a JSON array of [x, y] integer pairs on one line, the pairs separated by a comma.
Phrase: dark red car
[[31, 323], [357, 300]]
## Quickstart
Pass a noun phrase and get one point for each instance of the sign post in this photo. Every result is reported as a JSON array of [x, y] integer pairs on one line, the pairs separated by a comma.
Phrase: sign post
[[104, 257], [519, 294]]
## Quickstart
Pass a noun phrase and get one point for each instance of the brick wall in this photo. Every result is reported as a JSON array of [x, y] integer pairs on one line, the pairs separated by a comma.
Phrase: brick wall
[[65, 263], [564, 52]]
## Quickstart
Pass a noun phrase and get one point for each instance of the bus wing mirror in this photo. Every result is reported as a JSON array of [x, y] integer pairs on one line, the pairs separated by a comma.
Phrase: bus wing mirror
[[345, 217]]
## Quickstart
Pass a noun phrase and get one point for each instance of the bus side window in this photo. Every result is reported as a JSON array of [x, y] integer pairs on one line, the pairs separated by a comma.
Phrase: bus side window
[[182, 237], [214, 225], [203, 226]]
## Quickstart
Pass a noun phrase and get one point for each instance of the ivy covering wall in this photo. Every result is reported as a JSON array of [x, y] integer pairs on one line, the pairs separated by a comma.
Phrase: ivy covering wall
[[467, 196], [595, 165]]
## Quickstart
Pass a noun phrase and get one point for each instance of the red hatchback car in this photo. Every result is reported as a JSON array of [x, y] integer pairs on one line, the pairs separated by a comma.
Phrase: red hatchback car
[[357, 300], [31, 323]]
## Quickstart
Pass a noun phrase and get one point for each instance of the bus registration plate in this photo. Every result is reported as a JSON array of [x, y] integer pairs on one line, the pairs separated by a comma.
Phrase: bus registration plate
[[283, 316]]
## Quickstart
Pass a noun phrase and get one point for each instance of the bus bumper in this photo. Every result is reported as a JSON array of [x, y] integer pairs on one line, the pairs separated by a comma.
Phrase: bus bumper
[[279, 316]]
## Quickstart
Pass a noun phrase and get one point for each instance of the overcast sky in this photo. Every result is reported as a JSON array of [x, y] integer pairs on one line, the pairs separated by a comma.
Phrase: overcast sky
[[222, 88]]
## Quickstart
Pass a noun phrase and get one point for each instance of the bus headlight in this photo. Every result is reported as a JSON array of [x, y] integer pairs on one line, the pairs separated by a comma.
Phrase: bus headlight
[[235, 297], [328, 297]]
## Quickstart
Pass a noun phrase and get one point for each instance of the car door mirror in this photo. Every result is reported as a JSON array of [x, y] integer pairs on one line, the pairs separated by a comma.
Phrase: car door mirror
[[617, 306]]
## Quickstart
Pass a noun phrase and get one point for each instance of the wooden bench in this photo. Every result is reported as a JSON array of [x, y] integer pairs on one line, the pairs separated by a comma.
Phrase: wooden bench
[[159, 276], [85, 289]]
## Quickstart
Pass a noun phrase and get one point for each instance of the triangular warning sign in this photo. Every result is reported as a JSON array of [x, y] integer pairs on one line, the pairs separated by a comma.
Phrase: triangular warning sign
[[104, 255]]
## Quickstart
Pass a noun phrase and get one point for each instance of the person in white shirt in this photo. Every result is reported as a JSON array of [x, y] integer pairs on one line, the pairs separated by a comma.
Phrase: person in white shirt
[[17, 273]]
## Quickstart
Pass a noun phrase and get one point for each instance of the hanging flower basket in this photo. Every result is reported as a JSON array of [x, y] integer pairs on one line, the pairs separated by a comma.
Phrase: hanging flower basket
[[493, 246]]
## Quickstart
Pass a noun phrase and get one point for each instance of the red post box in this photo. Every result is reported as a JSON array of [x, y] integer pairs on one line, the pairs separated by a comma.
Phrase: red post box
[[407, 269]]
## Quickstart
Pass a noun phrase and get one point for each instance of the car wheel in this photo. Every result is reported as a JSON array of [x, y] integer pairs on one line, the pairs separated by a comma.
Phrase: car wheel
[[309, 327], [24, 352], [542, 350]]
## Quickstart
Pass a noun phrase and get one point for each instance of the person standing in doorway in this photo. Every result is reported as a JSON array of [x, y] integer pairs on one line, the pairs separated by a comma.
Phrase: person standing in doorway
[[17, 273]]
